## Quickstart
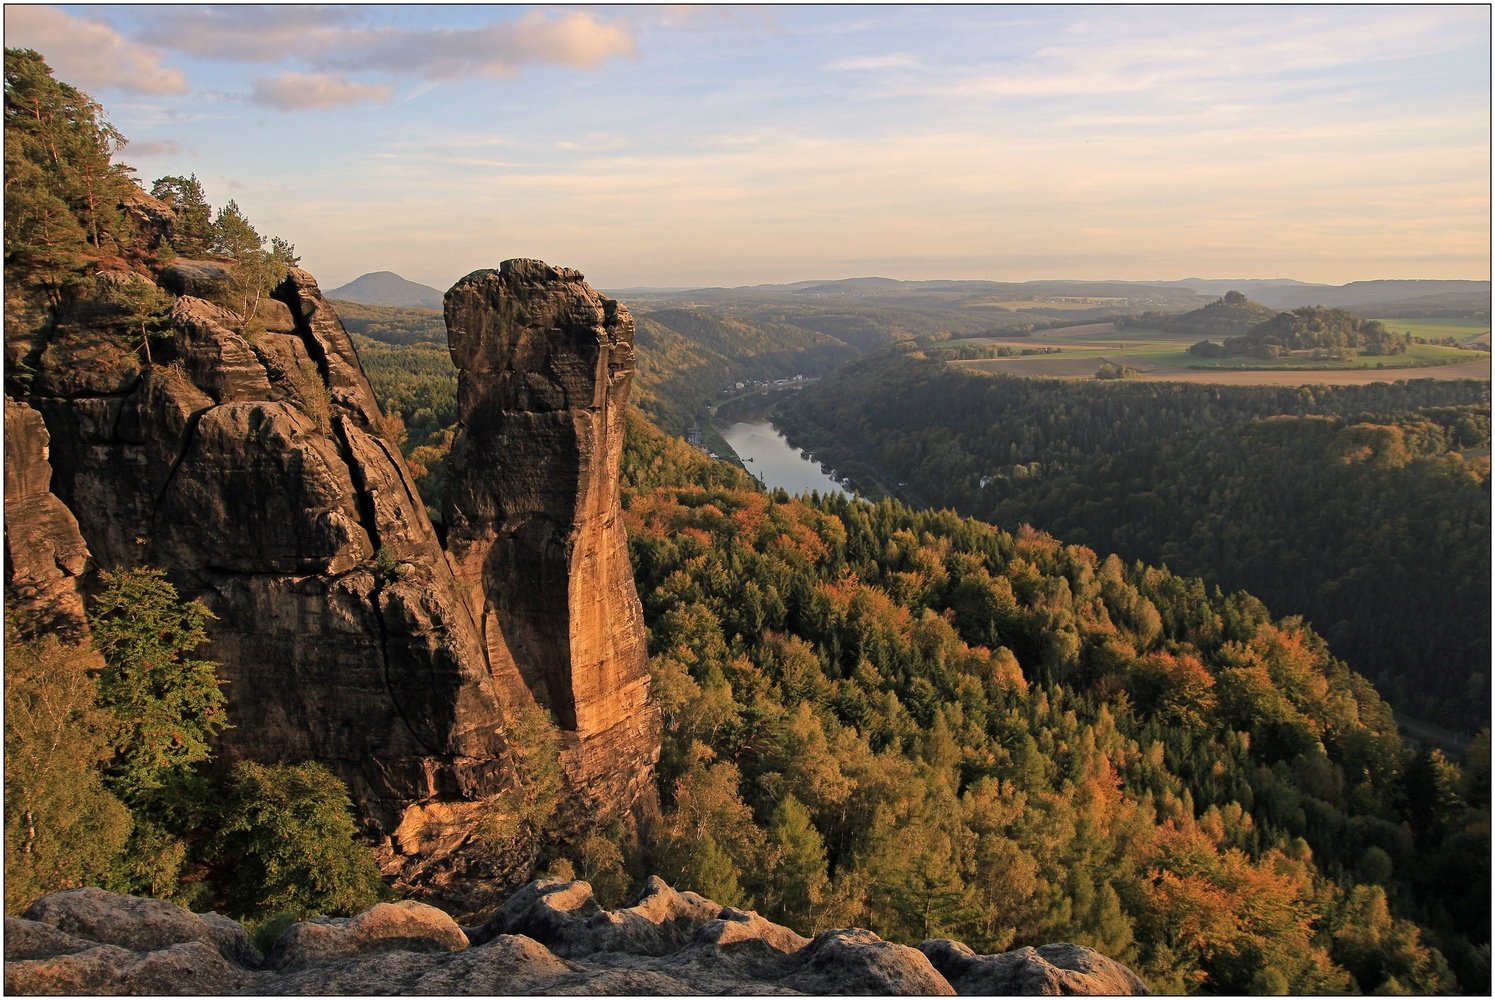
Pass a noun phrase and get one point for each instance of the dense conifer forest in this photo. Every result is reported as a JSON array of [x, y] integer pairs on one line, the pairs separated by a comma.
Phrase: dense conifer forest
[[1363, 508]]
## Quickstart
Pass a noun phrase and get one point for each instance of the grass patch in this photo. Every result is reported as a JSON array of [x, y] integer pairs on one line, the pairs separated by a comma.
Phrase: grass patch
[[718, 445], [1437, 329]]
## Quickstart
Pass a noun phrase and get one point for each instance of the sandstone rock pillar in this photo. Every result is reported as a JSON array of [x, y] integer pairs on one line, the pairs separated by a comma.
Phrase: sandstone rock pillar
[[534, 523]]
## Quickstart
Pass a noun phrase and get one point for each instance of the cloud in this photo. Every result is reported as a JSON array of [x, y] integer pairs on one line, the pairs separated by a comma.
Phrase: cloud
[[153, 147], [867, 63], [89, 54], [291, 91], [252, 33], [329, 39], [1223, 51], [594, 142], [578, 40]]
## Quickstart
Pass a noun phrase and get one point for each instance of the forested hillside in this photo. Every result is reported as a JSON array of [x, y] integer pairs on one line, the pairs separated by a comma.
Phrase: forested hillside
[[1231, 315], [396, 325], [688, 356], [926, 725], [1363, 508]]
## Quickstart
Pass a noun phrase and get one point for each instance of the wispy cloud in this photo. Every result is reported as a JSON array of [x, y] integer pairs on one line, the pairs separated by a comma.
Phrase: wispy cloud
[[874, 63], [89, 53], [594, 142], [251, 32], [578, 40], [291, 91], [163, 147], [345, 38], [1200, 59]]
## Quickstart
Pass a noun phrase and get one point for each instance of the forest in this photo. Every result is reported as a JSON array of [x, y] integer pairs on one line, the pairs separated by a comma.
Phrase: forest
[[1366, 509], [929, 726]]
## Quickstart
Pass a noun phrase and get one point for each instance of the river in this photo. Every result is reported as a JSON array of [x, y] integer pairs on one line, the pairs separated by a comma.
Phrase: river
[[772, 460]]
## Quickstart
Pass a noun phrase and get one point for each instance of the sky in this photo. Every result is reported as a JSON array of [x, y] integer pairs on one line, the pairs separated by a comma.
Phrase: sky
[[681, 146]]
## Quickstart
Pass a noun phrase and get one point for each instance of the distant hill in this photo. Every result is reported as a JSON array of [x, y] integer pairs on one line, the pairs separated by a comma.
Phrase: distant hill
[[1229, 316], [385, 288], [1361, 295], [1248, 286]]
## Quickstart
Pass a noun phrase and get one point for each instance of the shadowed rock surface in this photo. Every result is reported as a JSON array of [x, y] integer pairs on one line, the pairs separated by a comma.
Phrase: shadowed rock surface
[[550, 937], [44, 553]]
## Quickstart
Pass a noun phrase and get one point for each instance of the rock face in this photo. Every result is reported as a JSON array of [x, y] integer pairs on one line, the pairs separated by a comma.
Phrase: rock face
[[44, 552], [255, 471], [550, 937], [253, 467], [534, 526]]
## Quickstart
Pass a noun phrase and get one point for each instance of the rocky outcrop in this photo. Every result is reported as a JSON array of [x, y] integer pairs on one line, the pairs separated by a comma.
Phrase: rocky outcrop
[[253, 468], [45, 554], [534, 525], [249, 461], [551, 937], [1051, 970]]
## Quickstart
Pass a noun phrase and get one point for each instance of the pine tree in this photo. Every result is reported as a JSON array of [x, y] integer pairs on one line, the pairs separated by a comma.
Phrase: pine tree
[[192, 234], [168, 704], [256, 270], [65, 133]]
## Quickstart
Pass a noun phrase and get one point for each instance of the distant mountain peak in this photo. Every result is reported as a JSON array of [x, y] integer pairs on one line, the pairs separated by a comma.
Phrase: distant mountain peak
[[385, 288]]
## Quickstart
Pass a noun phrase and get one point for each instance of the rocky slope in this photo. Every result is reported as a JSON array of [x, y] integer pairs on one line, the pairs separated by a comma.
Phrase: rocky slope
[[249, 460], [550, 937]]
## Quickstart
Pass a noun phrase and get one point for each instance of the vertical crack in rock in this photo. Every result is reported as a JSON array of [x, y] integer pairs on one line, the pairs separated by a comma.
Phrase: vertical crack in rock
[[369, 518], [534, 531]]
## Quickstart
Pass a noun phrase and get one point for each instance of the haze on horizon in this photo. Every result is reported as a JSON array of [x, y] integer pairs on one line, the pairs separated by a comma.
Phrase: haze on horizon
[[670, 146]]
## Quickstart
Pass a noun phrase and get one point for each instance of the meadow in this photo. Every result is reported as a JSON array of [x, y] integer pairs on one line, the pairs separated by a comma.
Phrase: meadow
[[1156, 355]]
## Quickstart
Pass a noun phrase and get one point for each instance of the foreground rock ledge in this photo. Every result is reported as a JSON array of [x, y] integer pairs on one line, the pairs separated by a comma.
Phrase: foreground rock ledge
[[550, 937]]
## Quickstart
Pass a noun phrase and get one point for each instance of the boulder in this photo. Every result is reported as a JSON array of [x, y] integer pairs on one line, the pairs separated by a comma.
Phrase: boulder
[[857, 961], [1049, 970], [406, 926], [565, 917], [201, 279], [140, 925], [192, 968]]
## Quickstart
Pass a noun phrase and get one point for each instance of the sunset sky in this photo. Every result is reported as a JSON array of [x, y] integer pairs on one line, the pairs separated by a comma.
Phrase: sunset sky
[[683, 146]]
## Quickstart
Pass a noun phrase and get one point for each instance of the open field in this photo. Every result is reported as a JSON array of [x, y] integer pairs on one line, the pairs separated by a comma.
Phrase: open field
[[1462, 330], [1164, 357], [1150, 370]]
